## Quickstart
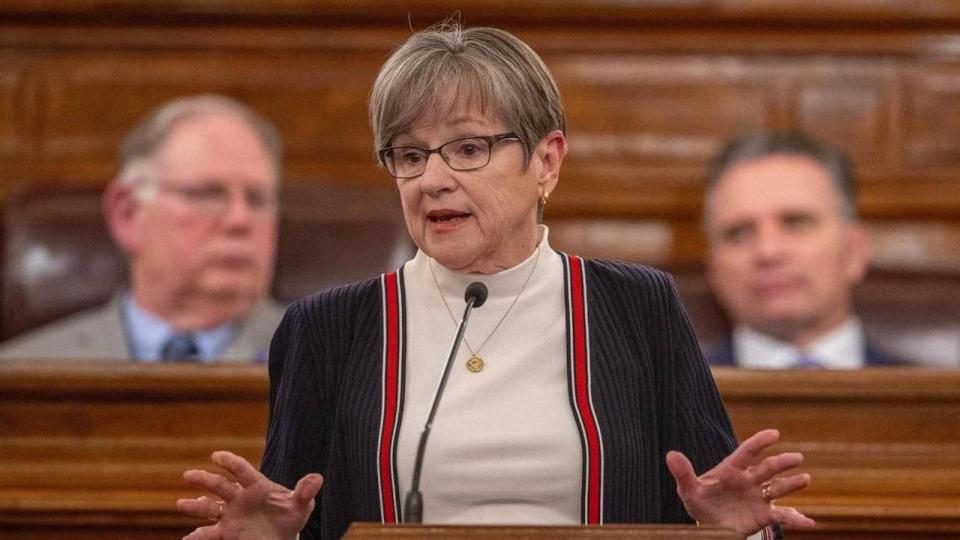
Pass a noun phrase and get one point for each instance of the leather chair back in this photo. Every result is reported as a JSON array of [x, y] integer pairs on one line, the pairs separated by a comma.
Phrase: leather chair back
[[58, 257]]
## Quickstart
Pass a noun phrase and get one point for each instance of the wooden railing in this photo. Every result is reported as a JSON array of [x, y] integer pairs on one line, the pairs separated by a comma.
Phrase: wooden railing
[[97, 450]]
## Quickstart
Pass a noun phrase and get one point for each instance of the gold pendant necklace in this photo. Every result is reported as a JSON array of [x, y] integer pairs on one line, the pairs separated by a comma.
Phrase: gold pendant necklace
[[475, 363]]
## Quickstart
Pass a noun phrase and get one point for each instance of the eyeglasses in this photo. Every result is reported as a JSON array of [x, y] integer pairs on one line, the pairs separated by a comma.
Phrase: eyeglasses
[[467, 154], [214, 198]]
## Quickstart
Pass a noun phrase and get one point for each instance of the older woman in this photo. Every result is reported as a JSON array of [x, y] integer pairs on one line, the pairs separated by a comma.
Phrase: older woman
[[580, 395]]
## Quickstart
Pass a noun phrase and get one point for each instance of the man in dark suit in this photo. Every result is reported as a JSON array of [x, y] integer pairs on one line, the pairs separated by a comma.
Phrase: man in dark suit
[[194, 208], [785, 251]]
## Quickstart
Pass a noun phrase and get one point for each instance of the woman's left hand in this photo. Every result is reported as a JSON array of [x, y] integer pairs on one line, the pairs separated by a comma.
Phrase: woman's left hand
[[739, 492]]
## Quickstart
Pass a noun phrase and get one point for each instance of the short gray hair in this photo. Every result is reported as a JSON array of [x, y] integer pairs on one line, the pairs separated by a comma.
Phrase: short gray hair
[[760, 145], [142, 143], [445, 66]]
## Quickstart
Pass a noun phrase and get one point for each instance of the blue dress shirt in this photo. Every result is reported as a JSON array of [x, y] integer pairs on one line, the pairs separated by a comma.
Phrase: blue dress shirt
[[147, 334]]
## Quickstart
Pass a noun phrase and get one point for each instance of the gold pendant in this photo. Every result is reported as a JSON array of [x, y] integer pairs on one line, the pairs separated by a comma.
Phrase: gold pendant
[[475, 364]]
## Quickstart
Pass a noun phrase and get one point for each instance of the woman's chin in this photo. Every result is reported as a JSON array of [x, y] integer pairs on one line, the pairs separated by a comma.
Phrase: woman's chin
[[451, 260], [459, 256]]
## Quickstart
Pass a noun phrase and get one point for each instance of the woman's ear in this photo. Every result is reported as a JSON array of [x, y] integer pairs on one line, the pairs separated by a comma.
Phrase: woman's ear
[[120, 207], [550, 152]]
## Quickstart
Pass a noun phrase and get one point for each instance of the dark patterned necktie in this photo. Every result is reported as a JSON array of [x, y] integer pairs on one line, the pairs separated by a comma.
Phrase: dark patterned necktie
[[180, 347], [805, 361]]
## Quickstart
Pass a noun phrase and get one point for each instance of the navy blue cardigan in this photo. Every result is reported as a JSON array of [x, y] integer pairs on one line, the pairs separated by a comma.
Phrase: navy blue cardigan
[[651, 392]]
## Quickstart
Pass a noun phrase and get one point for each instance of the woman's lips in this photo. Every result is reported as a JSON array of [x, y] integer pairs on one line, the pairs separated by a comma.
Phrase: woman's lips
[[446, 220]]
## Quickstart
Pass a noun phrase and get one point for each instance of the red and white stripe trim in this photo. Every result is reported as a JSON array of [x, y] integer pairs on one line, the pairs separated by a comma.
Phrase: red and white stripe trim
[[392, 396], [578, 356]]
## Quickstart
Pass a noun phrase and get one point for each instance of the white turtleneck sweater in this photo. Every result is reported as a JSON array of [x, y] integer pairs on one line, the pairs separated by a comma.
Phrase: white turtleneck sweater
[[503, 447]]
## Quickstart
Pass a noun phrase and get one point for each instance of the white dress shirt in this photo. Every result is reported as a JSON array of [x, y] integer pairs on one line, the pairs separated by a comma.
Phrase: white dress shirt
[[842, 348]]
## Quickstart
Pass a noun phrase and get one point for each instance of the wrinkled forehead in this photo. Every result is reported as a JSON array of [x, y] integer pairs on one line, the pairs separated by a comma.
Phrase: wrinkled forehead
[[447, 101]]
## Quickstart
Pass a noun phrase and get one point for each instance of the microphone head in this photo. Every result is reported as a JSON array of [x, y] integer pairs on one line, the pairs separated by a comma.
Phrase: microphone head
[[477, 291]]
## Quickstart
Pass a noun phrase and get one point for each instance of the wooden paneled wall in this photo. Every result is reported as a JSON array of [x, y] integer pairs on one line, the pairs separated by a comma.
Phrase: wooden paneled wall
[[96, 450], [652, 90]]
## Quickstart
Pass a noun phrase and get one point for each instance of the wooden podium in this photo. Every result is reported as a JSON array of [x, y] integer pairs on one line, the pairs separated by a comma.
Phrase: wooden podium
[[456, 532]]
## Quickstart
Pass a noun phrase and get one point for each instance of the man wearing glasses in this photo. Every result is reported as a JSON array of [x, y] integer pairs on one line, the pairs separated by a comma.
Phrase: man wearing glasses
[[194, 208]]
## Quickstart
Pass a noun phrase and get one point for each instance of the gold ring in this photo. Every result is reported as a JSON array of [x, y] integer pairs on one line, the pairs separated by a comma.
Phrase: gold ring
[[219, 512], [766, 489]]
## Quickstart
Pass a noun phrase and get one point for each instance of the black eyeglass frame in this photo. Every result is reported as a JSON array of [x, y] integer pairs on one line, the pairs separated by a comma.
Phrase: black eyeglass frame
[[491, 140]]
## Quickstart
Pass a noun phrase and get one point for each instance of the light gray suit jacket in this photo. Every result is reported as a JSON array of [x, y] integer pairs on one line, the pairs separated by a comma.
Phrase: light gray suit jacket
[[99, 334]]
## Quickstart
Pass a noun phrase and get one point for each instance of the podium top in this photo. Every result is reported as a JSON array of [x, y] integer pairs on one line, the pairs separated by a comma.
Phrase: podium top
[[633, 531]]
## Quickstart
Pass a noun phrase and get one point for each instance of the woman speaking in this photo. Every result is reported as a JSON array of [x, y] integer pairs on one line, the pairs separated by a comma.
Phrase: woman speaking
[[579, 394]]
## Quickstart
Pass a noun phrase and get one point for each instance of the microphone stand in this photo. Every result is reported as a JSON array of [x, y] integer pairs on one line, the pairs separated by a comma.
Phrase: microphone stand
[[476, 295]]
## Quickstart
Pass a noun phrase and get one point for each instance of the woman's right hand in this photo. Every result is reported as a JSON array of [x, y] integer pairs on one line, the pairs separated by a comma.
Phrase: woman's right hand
[[253, 507]]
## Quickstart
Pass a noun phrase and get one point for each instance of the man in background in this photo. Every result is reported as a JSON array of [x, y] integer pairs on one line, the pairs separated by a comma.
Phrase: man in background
[[785, 252], [194, 208]]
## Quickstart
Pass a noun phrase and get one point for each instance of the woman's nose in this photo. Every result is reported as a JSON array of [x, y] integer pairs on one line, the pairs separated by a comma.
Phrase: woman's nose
[[437, 176]]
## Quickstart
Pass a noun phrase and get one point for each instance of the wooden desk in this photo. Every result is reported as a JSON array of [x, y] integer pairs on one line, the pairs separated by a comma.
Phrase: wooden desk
[[882, 445], [97, 450]]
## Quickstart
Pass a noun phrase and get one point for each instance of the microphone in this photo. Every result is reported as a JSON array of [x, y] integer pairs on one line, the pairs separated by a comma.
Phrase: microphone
[[475, 296], [477, 292]]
